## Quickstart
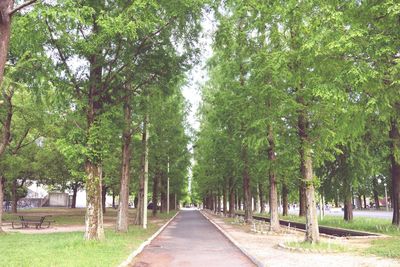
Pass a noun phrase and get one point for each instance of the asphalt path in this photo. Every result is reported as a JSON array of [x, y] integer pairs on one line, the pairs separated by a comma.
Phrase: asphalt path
[[191, 240]]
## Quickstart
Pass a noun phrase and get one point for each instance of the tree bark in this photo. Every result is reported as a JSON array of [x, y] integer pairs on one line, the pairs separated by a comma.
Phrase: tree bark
[[375, 192], [348, 207], [224, 197], [123, 206], [6, 129], [103, 197], [237, 207], [248, 213], [262, 197], [5, 32], [285, 202], [14, 197], [257, 201], [359, 200], [94, 213], [74, 194], [218, 202], [1, 203], [155, 192], [140, 206], [94, 229], [232, 202], [273, 191], [312, 230], [113, 199], [395, 171], [145, 169], [163, 191], [302, 196], [365, 201], [302, 186]]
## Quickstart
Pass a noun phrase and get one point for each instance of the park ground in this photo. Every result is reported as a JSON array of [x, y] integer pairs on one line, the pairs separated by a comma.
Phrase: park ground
[[62, 244], [267, 248]]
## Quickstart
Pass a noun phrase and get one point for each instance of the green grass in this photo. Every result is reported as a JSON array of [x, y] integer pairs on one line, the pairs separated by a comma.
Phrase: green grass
[[389, 247], [385, 247], [373, 225], [69, 249], [319, 247]]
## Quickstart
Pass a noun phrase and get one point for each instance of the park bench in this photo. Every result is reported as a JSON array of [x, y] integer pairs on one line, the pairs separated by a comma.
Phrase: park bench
[[37, 221]]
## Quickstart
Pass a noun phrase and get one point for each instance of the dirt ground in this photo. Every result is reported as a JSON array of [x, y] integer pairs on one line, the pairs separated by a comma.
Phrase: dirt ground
[[265, 248]]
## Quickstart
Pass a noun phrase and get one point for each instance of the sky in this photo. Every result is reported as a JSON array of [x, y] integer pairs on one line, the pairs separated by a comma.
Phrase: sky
[[196, 78], [198, 75]]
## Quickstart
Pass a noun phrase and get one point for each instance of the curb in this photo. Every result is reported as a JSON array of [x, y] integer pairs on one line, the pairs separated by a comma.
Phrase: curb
[[236, 244], [145, 243]]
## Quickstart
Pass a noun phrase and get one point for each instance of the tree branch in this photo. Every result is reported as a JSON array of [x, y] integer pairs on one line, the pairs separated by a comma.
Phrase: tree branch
[[18, 8], [6, 129], [142, 43], [64, 59], [19, 145]]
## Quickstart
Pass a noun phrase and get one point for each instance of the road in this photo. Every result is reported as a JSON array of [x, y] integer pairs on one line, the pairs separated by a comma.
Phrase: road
[[191, 240]]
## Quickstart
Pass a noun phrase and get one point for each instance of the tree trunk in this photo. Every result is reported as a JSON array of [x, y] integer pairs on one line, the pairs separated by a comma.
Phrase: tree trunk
[[74, 194], [312, 230], [145, 171], [232, 202], [218, 202], [395, 171], [224, 197], [103, 197], [143, 159], [5, 32], [155, 192], [248, 213], [123, 206], [175, 202], [14, 197], [365, 201], [273, 191], [257, 201], [163, 191], [376, 194], [236, 200], [172, 202], [94, 212], [113, 199], [348, 207], [302, 197], [359, 200], [285, 202], [302, 186], [262, 197], [336, 200], [1, 203]]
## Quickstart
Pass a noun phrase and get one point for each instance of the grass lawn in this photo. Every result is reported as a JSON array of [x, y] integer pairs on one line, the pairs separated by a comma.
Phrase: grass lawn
[[69, 249], [320, 247]]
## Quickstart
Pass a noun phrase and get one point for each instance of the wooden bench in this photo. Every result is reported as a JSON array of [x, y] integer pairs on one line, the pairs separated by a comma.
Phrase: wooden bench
[[37, 221]]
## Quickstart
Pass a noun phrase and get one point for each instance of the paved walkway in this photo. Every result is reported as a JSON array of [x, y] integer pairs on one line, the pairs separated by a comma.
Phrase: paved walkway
[[191, 240]]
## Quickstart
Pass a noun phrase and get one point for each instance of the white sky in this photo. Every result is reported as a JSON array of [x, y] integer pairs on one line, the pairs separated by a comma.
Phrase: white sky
[[198, 76]]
